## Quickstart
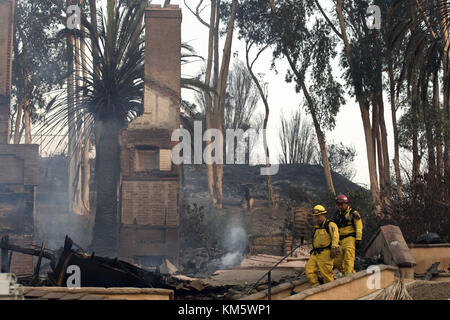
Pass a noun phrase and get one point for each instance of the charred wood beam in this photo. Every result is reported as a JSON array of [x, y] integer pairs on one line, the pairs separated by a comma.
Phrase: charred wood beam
[[38, 264], [432, 271], [5, 259], [5, 245]]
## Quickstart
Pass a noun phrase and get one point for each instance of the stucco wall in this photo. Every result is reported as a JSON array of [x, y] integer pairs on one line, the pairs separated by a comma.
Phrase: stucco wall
[[347, 288], [426, 255]]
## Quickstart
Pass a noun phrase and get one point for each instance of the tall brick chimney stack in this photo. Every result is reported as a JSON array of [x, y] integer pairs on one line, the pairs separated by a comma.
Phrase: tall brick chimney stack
[[149, 229], [6, 36]]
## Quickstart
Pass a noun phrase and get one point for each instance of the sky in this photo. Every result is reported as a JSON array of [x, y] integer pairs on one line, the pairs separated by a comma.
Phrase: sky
[[282, 96]]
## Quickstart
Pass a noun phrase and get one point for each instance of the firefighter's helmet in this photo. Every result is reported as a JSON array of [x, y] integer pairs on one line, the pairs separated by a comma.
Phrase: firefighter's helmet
[[318, 210], [341, 199]]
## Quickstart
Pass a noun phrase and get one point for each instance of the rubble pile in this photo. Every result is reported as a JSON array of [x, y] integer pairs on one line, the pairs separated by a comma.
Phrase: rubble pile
[[206, 289], [362, 263], [429, 290], [200, 262]]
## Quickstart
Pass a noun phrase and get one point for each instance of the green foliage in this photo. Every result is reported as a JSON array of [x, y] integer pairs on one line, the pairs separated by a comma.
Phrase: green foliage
[[311, 48], [341, 158], [423, 209], [38, 64], [406, 128]]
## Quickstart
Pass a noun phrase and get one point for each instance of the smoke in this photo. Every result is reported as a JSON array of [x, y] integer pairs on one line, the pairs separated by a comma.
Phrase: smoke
[[53, 220], [235, 245]]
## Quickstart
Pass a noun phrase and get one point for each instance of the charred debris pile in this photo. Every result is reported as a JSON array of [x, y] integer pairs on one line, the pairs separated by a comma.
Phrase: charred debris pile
[[106, 272]]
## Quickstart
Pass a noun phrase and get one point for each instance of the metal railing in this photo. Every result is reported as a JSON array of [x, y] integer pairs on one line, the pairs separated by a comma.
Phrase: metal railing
[[269, 274]]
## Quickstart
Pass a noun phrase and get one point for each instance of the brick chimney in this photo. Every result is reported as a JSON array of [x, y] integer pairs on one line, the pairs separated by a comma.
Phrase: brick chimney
[[150, 182]]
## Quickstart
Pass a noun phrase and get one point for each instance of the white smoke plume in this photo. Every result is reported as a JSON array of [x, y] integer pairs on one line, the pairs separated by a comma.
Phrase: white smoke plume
[[235, 244]]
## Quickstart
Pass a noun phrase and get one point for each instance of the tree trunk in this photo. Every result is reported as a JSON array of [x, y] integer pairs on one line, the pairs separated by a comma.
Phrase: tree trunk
[[266, 120], [78, 206], [370, 149], [219, 101], [396, 160], [71, 122], [95, 53], [415, 142], [18, 121], [438, 126], [26, 107], [215, 85], [107, 175], [322, 142], [363, 106], [377, 146], [385, 151], [444, 10], [27, 121], [320, 135], [86, 165], [430, 140], [208, 99]]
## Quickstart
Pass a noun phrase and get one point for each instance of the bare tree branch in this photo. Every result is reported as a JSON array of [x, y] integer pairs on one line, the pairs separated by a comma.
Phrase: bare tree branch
[[328, 20], [197, 12]]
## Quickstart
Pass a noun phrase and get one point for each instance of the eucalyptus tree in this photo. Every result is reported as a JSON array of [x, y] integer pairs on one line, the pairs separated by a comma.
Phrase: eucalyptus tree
[[37, 63], [292, 31], [216, 77], [422, 38], [363, 62]]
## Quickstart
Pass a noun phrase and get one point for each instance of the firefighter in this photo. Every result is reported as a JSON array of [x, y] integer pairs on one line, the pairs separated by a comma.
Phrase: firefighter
[[350, 234], [325, 248]]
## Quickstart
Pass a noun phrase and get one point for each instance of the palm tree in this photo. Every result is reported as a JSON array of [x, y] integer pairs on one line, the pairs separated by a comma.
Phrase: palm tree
[[113, 96], [112, 90]]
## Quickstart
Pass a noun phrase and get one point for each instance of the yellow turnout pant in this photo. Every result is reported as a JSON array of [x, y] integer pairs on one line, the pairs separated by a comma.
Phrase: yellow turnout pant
[[346, 260], [319, 262]]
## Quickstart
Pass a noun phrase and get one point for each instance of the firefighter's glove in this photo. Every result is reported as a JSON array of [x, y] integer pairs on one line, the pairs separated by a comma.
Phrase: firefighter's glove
[[358, 244]]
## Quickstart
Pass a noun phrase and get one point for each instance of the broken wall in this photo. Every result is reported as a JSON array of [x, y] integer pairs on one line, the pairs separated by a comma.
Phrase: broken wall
[[19, 163]]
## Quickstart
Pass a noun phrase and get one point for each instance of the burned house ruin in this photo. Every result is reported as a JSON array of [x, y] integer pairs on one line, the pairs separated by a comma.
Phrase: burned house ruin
[[19, 163]]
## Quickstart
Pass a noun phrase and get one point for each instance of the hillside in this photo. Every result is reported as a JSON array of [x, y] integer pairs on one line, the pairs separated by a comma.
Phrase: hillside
[[309, 178]]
